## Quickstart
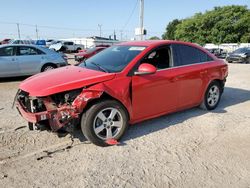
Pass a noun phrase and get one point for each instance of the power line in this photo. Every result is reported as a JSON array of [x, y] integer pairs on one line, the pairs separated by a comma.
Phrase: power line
[[100, 29], [36, 33], [66, 28], [18, 31], [131, 14]]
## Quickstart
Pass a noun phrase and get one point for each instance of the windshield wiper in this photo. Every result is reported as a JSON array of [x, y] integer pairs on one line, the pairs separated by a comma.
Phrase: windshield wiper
[[99, 66]]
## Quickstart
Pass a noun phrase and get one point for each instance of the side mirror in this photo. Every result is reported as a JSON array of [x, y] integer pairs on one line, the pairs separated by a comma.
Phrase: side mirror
[[145, 69]]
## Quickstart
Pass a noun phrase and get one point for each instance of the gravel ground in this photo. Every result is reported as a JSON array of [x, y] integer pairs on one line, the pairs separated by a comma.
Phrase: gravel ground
[[192, 148]]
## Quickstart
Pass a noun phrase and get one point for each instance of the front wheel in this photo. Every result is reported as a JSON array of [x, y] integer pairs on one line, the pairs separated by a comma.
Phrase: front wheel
[[103, 121], [212, 96]]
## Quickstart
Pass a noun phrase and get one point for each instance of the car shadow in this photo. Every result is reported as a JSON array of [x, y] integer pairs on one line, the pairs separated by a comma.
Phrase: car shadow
[[13, 79], [230, 97]]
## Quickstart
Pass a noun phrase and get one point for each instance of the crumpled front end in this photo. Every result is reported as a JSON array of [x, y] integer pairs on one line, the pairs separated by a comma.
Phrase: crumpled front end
[[56, 111]]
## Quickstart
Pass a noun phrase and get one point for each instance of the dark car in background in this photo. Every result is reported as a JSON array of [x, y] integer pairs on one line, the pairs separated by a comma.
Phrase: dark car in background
[[218, 52], [241, 55]]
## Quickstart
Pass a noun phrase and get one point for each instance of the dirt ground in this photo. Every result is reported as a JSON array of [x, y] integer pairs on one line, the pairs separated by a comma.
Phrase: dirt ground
[[192, 148]]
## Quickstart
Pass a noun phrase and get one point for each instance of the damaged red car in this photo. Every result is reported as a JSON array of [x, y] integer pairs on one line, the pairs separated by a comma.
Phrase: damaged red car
[[124, 84]]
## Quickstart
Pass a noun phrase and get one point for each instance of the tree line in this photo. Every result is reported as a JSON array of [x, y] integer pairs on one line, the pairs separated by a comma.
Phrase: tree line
[[227, 24]]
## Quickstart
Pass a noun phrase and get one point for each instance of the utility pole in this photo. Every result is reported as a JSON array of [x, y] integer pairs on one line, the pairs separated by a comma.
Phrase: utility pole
[[114, 35], [141, 18], [100, 28], [121, 34], [36, 33], [18, 30]]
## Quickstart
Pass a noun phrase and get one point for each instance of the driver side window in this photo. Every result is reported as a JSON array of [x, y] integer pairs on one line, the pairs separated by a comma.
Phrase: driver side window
[[160, 58]]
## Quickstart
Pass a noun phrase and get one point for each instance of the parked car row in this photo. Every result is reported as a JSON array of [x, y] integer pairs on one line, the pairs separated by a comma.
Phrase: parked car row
[[218, 52], [66, 46], [241, 55]]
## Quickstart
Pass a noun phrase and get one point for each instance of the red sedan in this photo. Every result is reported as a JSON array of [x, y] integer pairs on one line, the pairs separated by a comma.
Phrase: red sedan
[[83, 55], [122, 85]]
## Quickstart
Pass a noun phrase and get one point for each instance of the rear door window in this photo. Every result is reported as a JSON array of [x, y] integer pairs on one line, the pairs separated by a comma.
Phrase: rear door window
[[68, 43], [188, 55], [25, 50], [7, 51]]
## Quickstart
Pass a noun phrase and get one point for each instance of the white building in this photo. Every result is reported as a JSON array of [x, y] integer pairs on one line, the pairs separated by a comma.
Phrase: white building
[[92, 41]]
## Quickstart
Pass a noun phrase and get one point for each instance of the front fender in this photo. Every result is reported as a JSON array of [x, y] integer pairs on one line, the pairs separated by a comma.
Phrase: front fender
[[119, 89], [81, 100]]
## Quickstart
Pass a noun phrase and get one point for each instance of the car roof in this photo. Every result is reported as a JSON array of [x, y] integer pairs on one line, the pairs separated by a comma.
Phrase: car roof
[[28, 45], [152, 43]]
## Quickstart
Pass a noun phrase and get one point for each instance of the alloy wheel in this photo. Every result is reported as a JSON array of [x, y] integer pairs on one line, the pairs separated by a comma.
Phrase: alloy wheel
[[213, 95], [108, 123]]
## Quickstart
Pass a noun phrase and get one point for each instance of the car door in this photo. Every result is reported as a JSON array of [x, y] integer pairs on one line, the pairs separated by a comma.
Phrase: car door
[[190, 62], [70, 46], [157, 93], [29, 59], [8, 62]]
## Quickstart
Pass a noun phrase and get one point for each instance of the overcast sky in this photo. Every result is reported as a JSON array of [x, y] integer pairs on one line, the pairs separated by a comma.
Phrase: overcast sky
[[80, 18]]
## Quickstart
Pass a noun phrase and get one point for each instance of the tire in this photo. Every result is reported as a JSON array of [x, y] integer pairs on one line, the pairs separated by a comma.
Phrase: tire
[[48, 67], [96, 122], [248, 60], [63, 49], [212, 96]]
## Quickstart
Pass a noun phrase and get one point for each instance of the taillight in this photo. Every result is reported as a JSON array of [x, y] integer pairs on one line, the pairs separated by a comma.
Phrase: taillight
[[224, 71]]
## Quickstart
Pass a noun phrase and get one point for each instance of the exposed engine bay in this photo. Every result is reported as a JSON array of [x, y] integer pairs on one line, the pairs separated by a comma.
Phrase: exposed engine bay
[[55, 111]]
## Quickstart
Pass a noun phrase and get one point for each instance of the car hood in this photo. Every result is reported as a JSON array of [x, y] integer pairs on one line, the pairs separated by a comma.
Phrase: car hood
[[236, 54], [63, 79], [56, 46]]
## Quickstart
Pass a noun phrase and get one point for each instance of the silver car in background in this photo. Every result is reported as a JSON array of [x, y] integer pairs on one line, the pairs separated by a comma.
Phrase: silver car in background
[[22, 60]]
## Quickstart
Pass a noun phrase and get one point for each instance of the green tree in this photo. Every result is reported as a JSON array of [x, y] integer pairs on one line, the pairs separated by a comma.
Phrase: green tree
[[170, 30], [228, 24], [154, 38]]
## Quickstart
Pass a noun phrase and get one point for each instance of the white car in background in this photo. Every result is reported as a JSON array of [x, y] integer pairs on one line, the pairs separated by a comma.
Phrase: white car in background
[[66, 46], [22, 60]]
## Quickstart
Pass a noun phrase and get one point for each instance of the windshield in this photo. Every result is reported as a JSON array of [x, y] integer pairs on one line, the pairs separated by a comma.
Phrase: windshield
[[242, 50], [113, 59]]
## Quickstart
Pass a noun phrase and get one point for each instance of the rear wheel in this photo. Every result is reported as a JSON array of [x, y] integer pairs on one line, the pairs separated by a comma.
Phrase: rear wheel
[[248, 60], [212, 96], [103, 121], [48, 67]]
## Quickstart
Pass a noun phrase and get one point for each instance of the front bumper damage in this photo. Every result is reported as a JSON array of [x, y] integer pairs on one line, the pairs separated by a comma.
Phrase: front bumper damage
[[56, 116]]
